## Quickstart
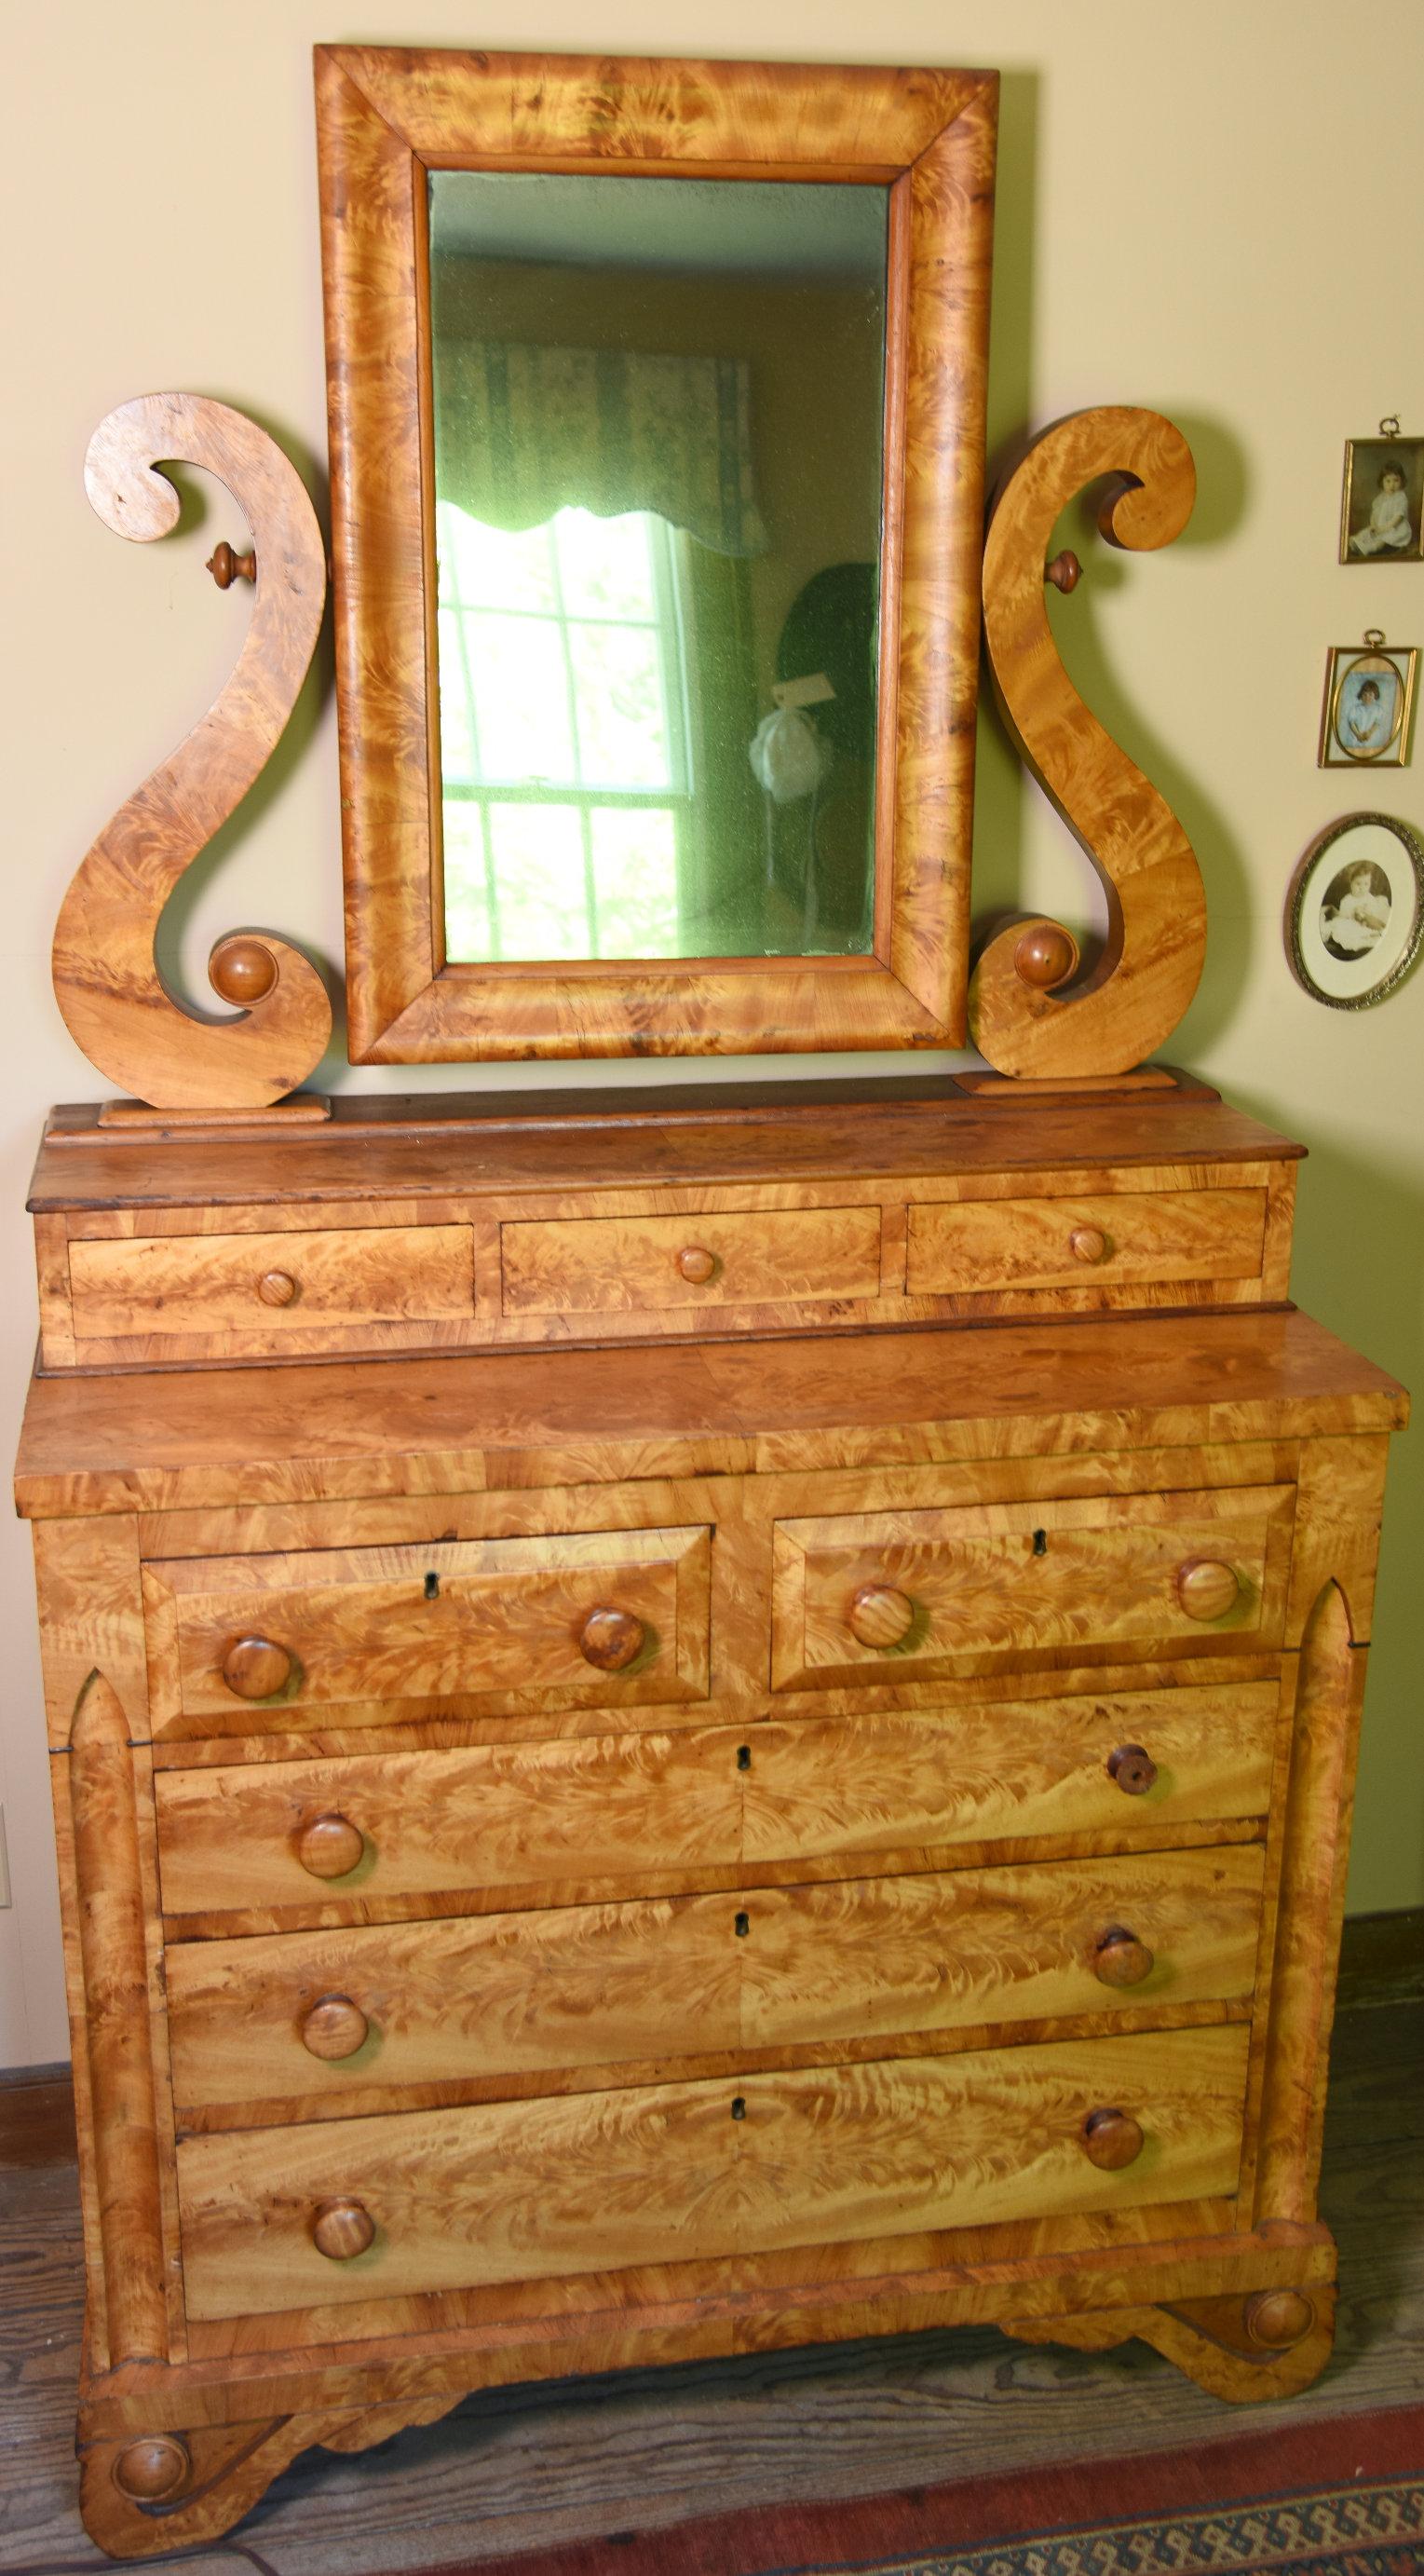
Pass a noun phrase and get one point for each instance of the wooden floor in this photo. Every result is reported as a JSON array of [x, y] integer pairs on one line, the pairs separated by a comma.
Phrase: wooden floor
[[518, 2469]]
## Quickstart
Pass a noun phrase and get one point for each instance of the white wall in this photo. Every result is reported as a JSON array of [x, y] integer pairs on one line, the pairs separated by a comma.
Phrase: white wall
[[1212, 211]]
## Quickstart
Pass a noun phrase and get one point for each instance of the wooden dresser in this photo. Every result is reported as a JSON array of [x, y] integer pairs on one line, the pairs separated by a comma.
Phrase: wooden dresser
[[704, 1722]]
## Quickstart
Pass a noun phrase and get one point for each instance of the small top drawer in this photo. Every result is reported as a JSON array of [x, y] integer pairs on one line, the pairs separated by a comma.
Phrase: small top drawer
[[999, 1246], [882, 1594], [345, 1277], [645, 1264]]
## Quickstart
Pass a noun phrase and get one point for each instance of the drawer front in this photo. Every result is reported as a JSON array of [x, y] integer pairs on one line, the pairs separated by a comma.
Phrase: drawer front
[[429, 1823], [891, 1592], [672, 2173], [245, 1642], [271, 1283], [635, 1265], [328, 2013], [981, 1246], [919, 1782]]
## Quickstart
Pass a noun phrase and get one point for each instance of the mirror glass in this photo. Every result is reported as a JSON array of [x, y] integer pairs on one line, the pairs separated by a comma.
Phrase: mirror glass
[[658, 411]]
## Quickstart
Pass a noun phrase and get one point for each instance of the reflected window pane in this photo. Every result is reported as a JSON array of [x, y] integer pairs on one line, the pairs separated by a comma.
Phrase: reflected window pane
[[635, 881], [539, 865], [618, 690], [605, 566], [520, 678]]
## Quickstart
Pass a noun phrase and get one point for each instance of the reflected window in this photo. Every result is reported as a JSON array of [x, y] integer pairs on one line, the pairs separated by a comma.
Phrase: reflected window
[[565, 736]]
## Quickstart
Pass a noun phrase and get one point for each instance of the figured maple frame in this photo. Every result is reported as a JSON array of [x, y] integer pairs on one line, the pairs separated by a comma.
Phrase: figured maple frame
[[385, 118]]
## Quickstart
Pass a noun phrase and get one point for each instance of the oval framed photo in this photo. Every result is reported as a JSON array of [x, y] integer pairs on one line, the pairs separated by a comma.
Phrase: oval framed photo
[[1355, 910]]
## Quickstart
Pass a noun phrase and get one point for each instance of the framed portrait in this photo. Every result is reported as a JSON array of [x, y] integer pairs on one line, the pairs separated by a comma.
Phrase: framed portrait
[[1382, 506], [1355, 910], [1369, 701]]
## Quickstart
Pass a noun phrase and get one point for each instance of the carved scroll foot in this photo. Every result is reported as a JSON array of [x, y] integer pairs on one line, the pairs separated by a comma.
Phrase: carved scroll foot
[[1269, 2343], [147, 2494]]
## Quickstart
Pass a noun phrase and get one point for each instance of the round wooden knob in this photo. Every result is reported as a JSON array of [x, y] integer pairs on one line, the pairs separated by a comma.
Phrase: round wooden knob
[[1045, 956], [1065, 572], [696, 1263], [610, 1640], [1207, 1589], [1088, 1243], [227, 566], [341, 2229], [276, 1287], [153, 2469], [1277, 2318], [242, 970], [330, 1846], [1120, 1959], [1111, 2139], [1131, 1769], [881, 1616], [256, 1667], [334, 2028]]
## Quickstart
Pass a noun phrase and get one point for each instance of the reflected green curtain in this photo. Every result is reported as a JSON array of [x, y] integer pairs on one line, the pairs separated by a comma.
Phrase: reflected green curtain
[[721, 864]]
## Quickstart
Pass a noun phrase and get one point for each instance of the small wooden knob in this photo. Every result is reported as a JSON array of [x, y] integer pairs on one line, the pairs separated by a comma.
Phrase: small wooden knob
[[341, 2229], [334, 2028], [881, 1616], [227, 567], [1132, 1769], [1045, 956], [611, 1639], [256, 1667], [330, 1846], [1111, 2139], [1088, 1243], [696, 1263], [1207, 1589], [276, 1287], [1065, 572], [1120, 1959], [1277, 2318], [242, 970], [153, 2469]]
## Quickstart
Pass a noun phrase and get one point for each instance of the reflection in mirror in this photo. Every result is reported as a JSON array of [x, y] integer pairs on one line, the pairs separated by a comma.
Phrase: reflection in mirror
[[658, 466]]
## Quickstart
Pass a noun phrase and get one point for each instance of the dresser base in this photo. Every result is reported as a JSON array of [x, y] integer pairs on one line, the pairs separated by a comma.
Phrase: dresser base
[[1248, 2321]]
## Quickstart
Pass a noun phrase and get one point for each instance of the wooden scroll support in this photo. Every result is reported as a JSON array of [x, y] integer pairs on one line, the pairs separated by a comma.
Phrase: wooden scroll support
[[1026, 1016], [108, 986]]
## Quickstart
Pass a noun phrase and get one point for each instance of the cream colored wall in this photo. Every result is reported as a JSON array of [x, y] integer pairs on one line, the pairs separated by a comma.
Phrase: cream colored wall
[[1213, 211]]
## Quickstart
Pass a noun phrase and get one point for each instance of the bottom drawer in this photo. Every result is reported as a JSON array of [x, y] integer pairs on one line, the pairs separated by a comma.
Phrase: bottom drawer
[[378, 2208]]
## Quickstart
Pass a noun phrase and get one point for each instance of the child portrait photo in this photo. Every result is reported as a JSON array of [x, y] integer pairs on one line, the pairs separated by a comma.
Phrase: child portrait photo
[[1382, 510], [1364, 722]]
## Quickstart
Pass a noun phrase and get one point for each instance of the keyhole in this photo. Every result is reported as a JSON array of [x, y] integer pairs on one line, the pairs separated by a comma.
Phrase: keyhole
[[744, 1757], [744, 1925], [432, 1587], [739, 2108], [1040, 1542]]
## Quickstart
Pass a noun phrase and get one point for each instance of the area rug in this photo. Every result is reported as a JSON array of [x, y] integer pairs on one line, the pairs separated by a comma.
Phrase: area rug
[[1338, 2497]]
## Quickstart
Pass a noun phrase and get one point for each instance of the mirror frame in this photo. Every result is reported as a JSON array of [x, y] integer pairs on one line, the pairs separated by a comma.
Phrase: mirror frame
[[385, 117]]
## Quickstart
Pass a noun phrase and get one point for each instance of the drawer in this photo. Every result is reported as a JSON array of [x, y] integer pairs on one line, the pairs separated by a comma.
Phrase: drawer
[[392, 1825], [893, 1592], [645, 1264], [247, 1642], [515, 2191], [979, 1246], [329, 2013], [270, 1283]]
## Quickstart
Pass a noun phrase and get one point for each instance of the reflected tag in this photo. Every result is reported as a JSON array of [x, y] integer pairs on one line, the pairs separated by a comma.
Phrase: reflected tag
[[812, 692]]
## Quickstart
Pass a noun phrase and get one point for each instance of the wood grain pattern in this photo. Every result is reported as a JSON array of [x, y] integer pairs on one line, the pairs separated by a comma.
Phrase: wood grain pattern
[[1023, 1578], [634, 1264], [1017, 1243], [1151, 962], [213, 1283], [115, 1003], [382, 115], [526, 2190], [1205, 2338]]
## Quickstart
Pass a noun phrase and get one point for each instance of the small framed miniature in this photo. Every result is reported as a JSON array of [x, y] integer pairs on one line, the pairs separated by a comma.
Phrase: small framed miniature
[[1382, 503], [1368, 704], [1355, 910]]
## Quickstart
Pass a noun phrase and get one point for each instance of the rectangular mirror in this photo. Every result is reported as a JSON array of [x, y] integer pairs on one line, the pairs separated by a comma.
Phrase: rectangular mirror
[[656, 407]]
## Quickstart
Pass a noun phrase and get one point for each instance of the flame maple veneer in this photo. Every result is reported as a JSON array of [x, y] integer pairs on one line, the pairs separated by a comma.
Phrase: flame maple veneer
[[746, 1828]]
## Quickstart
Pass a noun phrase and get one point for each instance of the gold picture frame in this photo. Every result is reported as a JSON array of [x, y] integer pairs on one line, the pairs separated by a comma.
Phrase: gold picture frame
[[1354, 914], [1382, 498], [1368, 705]]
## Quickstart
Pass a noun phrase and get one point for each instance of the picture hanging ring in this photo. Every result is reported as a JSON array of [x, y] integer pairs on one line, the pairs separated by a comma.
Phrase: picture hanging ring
[[1373, 638], [1389, 426]]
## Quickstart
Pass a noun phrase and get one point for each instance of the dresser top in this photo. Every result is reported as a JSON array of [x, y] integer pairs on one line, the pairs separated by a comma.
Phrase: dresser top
[[500, 1420], [439, 1145]]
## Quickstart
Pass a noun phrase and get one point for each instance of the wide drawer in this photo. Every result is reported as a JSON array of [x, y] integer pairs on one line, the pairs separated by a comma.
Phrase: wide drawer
[[531, 1818], [270, 1283], [897, 1591], [246, 1642], [631, 1265], [979, 1246], [324, 2014], [424, 2201]]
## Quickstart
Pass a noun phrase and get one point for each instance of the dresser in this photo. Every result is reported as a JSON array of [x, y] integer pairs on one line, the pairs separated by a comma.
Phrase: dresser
[[696, 1724]]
